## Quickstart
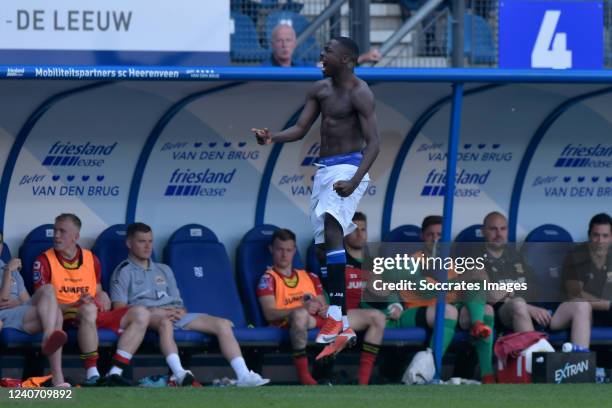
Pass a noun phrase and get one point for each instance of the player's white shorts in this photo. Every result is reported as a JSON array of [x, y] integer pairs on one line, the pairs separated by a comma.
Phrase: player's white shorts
[[325, 200]]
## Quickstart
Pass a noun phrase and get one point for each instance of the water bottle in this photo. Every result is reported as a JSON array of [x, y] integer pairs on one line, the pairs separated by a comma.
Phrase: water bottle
[[600, 375], [573, 348]]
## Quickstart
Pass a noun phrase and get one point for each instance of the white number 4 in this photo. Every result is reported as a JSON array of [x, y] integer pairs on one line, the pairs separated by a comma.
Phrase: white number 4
[[543, 56]]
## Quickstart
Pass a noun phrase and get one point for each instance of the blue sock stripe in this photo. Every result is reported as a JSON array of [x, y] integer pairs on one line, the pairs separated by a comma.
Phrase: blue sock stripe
[[336, 257]]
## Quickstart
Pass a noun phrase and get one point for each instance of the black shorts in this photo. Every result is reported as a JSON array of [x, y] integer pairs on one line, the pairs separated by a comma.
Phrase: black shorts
[[500, 327], [421, 318]]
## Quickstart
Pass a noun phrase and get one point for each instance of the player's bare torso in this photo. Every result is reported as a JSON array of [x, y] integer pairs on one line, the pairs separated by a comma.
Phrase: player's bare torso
[[340, 127]]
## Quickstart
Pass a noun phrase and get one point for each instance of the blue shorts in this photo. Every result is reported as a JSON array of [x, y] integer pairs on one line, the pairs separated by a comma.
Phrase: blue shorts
[[13, 318]]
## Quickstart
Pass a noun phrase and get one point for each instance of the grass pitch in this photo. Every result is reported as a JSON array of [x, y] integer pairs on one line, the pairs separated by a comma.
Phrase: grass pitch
[[392, 396]]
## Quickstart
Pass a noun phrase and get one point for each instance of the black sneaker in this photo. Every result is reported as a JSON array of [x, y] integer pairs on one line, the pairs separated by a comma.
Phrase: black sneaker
[[114, 380], [188, 379]]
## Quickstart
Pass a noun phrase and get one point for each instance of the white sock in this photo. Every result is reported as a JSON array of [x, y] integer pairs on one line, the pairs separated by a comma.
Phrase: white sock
[[345, 322], [115, 370], [125, 354], [174, 362], [240, 367], [92, 372], [335, 312]]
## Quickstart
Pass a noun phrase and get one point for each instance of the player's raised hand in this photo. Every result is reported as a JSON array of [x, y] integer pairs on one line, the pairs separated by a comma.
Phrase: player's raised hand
[[344, 188], [263, 136]]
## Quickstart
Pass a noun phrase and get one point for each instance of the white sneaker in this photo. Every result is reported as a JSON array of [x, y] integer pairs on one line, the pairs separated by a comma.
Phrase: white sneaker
[[252, 379]]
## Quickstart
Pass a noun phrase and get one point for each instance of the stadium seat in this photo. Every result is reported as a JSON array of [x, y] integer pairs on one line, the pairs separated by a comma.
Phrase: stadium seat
[[478, 43], [16, 338], [253, 258], [35, 243], [465, 240], [203, 273], [309, 50], [404, 233], [111, 250], [6, 253], [549, 233], [12, 338], [544, 249], [408, 336], [600, 336], [244, 41], [204, 277], [472, 233]]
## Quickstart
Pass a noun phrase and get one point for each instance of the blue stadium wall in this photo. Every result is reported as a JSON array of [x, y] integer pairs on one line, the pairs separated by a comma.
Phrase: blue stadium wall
[[172, 153]]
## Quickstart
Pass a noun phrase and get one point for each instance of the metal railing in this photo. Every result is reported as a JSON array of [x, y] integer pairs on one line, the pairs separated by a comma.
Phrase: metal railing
[[425, 46], [425, 40]]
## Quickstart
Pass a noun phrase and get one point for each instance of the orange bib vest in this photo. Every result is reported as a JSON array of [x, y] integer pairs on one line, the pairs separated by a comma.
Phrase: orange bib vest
[[71, 284], [413, 299], [288, 297]]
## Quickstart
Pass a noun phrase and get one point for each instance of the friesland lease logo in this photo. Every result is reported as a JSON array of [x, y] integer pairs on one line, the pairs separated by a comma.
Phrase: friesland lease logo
[[206, 183], [191, 180], [78, 155], [468, 183], [579, 155], [77, 171]]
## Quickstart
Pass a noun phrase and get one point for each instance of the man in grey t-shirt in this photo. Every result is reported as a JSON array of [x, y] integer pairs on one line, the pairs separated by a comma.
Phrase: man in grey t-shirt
[[32, 315], [140, 281]]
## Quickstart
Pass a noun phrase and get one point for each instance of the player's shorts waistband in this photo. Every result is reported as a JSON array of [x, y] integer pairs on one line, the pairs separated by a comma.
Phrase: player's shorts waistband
[[353, 158]]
